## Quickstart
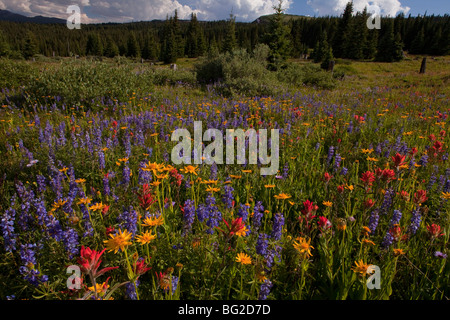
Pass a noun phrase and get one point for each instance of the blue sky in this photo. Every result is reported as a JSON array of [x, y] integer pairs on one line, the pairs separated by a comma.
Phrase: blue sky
[[436, 7], [94, 11]]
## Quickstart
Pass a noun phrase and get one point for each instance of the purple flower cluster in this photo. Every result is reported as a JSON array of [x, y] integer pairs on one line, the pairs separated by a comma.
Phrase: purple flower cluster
[[128, 220], [28, 270], [188, 216], [265, 289], [277, 227], [258, 212]]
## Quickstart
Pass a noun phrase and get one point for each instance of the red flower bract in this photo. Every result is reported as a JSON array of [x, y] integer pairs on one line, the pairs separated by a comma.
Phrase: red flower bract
[[420, 196], [399, 160], [89, 261], [368, 177]]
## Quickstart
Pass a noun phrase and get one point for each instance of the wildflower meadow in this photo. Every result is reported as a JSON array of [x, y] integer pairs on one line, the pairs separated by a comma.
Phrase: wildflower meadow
[[93, 207]]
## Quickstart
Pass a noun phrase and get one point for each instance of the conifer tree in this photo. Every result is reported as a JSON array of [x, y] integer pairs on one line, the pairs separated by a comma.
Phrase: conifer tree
[[94, 45], [30, 47], [342, 32], [4, 46], [278, 39], [111, 49], [230, 39], [133, 49]]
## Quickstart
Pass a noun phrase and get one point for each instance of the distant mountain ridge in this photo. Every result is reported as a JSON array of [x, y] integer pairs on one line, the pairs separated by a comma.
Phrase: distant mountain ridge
[[6, 15]]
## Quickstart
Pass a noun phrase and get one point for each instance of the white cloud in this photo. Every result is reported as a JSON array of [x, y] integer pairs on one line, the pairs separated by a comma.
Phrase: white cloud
[[137, 10], [336, 7]]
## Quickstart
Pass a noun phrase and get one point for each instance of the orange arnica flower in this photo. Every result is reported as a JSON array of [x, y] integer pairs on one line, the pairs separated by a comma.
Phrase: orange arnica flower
[[243, 258], [360, 267], [282, 196], [303, 246], [118, 241], [153, 221]]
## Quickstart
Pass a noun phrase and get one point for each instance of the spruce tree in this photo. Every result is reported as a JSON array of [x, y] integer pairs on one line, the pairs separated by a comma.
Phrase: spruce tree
[[4, 46], [278, 39], [168, 48], [192, 38], [230, 39], [111, 49], [133, 49], [418, 44], [342, 32], [94, 45], [30, 47]]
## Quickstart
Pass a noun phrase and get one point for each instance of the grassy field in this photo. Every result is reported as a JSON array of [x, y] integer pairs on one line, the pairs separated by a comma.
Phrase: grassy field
[[361, 196]]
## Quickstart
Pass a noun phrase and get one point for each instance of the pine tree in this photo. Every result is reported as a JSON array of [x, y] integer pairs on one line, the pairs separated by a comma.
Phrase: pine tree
[[390, 48], [4, 46], [278, 39], [31, 47], [111, 49], [327, 58], [149, 49], [133, 49], [94, 45], [341, 38], [193, 38], [178, 39], [417, 46], [168, 48], [230, 40], [321, 49]]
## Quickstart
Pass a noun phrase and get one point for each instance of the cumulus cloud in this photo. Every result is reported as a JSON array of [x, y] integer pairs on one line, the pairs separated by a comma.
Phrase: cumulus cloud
[[142, 10], [336, 7]]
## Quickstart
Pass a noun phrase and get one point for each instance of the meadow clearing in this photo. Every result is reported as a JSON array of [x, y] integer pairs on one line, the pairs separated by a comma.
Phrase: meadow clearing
[[92, 206]]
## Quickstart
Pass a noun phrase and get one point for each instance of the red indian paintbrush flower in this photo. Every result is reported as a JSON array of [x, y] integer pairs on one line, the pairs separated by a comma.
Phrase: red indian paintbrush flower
[[324, 223], [420, 196], [368, 177], [140, 267], [369, 203], [146, 198], [236, 226], [398, 160], [327, 177], [90, 261], [434, 230], [388, 175]]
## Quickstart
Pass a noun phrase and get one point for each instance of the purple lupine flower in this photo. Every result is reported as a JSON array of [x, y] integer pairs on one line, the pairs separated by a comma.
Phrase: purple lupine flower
[[387, 202], [128, 220], [243, 212], [258, 214], [337, 161], [70, 241], [101, 160], [415, 221], [130, 290], [277, 226], [188, 216], [228, 197], [389, 238], [330, 154], [285, 170], [424, 160], [27, 269], [126, 172], [214, 215], [7, 227], [261, 244], [373, 221], [265, 289], [106, 187]]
